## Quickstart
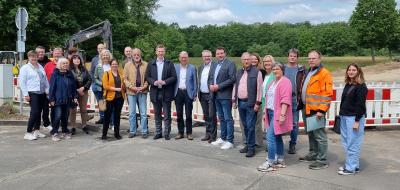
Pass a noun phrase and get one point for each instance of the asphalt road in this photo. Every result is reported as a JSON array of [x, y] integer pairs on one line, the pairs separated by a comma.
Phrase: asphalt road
[[85, 162]]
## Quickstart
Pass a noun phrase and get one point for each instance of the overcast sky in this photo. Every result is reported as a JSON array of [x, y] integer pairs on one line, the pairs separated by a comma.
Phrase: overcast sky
[[202, 12]]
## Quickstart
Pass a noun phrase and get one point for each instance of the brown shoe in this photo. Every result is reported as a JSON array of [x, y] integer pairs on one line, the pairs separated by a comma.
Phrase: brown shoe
[[209, 140], [179, 136], [190, 137]]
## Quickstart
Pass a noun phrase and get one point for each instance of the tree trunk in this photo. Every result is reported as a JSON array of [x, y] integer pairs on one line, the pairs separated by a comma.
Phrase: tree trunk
[[373, 55], [390, 54]]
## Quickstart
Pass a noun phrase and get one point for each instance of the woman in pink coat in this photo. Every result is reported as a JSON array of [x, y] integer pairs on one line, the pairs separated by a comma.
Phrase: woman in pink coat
[[278, 118]]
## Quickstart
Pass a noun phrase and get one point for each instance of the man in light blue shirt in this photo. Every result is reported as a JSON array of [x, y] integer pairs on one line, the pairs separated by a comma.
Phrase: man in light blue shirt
[[223, 77], [207, 104]]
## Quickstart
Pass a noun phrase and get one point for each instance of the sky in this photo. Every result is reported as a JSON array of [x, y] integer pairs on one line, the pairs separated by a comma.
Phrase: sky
[[219, 12]]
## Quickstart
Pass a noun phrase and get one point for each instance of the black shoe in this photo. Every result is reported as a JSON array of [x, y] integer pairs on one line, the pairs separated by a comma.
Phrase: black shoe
[[144, 136], [292, 149], [167, 137], [86, 130], [73, 131], [103, 137], [317, 166], [307, 158], [250, 153], [159, 136], [118, 137], [131, 135], [244, 150], [100, 121]]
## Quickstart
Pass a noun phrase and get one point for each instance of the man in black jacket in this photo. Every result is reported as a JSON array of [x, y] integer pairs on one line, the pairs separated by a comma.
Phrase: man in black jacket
[[43, 60], [161, 76]]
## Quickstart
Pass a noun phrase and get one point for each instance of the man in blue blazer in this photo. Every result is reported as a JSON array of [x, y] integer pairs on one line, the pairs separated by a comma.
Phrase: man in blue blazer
[[185, 94], [161, 76], [222, 79]]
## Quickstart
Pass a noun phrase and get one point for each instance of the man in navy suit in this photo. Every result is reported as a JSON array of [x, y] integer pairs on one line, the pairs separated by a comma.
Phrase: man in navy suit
[[222, 79], [185, 94], [161, 76]]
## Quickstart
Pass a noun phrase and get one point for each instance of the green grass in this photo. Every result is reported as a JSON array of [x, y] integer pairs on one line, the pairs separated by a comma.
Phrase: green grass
[[332, 63]]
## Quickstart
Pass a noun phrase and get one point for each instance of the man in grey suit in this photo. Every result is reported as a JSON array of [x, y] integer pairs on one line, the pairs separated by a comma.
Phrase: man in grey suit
[[207, 104], [222, 79], [185, 94]]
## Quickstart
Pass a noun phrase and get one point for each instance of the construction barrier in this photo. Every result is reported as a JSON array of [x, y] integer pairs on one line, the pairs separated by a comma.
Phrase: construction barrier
[[383, 105]]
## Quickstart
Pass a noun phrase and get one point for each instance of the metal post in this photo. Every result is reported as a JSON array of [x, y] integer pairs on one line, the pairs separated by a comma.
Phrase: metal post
[[21, 98]]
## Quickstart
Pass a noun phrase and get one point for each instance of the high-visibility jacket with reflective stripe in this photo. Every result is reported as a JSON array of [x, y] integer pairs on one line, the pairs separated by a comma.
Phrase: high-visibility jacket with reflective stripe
[[319, 91]]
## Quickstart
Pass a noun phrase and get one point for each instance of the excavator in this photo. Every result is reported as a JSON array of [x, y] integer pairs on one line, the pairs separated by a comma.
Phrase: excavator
[[102, 28]]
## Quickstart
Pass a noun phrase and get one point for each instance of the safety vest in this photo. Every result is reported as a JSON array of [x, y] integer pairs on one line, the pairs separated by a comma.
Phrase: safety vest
[[319, 91]]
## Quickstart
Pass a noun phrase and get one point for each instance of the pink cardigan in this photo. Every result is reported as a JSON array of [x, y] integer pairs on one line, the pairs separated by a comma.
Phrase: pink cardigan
[[283, 94]]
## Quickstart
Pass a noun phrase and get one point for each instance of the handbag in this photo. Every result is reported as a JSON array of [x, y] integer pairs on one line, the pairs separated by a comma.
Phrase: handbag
[[336, 125], [102, 102]]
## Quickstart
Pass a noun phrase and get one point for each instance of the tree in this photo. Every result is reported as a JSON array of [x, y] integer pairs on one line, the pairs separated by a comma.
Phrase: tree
[[51, 22], [375, 22], [172, 38]]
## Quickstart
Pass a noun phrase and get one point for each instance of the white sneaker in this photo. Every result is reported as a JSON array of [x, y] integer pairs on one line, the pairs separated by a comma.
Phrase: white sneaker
[[55, 137], [38, 134], [66, 135], [30, 136], [266, 167], [48, 128], [218, 142], [227, 145]]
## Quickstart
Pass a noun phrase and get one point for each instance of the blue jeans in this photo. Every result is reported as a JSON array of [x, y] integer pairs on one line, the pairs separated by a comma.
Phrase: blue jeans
[[275, 142], [295, 130], [224, 109], [61, 113], [351, 140], [248, 117], [140, 100], [99, 96]]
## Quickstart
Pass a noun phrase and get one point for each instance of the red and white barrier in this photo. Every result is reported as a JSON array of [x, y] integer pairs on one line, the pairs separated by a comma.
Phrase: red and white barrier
[[383, 105]]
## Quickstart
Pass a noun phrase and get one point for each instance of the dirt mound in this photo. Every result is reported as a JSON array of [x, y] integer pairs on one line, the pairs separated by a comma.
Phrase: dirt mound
[[8, 112], [387, 72]]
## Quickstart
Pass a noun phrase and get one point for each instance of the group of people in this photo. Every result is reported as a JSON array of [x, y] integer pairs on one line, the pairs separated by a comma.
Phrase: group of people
[[268, 95]]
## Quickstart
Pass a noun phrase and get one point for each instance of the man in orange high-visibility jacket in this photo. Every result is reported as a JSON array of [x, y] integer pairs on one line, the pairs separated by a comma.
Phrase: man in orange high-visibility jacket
[[315, 99]]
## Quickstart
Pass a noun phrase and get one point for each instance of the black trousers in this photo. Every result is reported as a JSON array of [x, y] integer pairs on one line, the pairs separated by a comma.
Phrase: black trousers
[[116, 107], [45, 113], [36, 103], [162, 106], [182, 100], [210, 116]]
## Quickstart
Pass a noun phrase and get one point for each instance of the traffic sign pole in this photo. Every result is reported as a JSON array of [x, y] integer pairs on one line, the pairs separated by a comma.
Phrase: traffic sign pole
[[21, 21]]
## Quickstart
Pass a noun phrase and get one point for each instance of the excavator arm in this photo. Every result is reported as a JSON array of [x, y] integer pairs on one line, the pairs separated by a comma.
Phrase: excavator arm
[[103, 29]]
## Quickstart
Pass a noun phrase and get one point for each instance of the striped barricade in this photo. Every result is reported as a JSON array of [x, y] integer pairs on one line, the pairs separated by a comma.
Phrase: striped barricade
[[383, 105]]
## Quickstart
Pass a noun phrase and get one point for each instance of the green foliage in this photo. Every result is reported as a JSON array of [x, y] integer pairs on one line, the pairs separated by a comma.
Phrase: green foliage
[[173, 40], [51, 22], [376, 23]]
